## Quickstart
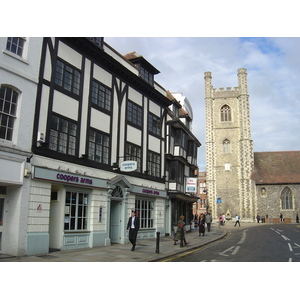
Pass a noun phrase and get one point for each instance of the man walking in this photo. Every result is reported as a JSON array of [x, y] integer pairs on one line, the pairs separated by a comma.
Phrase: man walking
[[208, 220], [237, 220], [133, 226]]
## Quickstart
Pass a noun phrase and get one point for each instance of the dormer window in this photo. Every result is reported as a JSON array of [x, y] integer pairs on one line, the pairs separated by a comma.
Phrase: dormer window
[[97, 41], [147, 76], [146, 70]]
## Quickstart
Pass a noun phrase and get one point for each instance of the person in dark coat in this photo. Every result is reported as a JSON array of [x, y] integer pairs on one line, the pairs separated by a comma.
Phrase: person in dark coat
[[133, 226], [297, 218], [201, 225]]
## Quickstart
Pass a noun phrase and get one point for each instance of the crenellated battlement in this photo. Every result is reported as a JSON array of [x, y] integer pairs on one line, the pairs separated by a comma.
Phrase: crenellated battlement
[[229, 92]]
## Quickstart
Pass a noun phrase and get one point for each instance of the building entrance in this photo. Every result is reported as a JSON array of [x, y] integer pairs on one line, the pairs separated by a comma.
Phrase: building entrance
[[115, 221]]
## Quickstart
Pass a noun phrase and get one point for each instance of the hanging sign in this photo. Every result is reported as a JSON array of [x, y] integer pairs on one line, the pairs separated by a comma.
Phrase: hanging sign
[[191, 185], [128, 166]]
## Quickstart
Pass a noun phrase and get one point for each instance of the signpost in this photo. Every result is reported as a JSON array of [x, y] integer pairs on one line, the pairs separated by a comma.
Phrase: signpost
[[128, 166], [219, 200]]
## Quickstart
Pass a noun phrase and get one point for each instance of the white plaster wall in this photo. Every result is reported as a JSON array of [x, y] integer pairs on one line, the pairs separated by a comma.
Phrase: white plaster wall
[[134, 135], [154, 108], [65, 105], [100, 120], [69, 55], [154, 144], [135, 96], [102, 76]]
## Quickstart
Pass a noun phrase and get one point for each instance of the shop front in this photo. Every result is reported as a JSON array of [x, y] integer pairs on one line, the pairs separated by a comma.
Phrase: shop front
[[73, 211]]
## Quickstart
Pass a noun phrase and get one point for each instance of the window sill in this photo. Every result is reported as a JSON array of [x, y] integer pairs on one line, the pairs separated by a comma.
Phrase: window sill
[[11, 54]]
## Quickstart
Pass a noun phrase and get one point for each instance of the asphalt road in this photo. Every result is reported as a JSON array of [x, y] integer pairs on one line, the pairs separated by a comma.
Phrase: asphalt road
[[262, 243]]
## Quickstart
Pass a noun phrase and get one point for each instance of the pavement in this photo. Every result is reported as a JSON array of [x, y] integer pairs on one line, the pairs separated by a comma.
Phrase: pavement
[[146, 249]]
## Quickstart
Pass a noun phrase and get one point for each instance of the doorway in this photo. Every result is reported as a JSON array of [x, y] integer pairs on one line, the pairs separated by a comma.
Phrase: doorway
[[115, 221]]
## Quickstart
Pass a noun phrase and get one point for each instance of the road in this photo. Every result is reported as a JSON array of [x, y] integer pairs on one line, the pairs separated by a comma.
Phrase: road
[[262, 243]]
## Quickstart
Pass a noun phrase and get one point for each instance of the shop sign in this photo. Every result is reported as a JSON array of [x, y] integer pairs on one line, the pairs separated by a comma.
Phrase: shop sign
[[128, 166], [191, 185], [151, 192], [52, 175]]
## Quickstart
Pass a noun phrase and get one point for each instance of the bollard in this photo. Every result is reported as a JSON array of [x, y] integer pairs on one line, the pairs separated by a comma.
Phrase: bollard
[[157, 242], [181, 237]]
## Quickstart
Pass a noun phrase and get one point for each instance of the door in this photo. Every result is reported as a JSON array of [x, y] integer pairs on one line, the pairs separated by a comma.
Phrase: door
[[115, 221], [2, 203]]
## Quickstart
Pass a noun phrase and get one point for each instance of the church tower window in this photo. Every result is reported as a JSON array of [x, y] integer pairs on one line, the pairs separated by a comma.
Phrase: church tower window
[[225, 113], [226, 146]]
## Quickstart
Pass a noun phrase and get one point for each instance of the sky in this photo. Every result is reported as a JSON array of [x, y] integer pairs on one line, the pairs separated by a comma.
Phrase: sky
[[184, 40], [273, 68]]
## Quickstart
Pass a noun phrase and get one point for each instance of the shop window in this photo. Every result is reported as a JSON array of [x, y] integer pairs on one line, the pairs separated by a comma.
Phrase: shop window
[[144, 210], [76, 211], [286, 199], [8, 111]]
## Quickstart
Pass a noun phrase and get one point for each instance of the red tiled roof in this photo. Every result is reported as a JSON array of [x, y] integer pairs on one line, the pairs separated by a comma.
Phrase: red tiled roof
[[277, 167]]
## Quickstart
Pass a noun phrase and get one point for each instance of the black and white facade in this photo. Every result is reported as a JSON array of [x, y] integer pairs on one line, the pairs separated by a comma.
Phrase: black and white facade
[[181, 156], [95, 110]]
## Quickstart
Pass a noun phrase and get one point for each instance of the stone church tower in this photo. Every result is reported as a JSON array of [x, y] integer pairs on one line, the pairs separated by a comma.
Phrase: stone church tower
[[229, 150]]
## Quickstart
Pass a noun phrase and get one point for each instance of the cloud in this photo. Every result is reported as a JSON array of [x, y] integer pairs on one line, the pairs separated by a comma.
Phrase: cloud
[[273, 67]]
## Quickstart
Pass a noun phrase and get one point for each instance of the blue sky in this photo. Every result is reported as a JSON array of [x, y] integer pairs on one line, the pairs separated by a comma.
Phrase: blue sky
[[273, 67]]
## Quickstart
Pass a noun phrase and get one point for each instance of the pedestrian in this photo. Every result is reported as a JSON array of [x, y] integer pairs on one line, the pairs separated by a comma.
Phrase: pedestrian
[[180, 231], [133, 226], [237, 220], [280, 217], [208, 221], [223, 217], [297, 218], [258, 218], [221, 220], [201, 225]]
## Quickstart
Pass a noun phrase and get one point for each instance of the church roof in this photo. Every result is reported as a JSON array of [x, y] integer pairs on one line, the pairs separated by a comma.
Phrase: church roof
[[277, 167]]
